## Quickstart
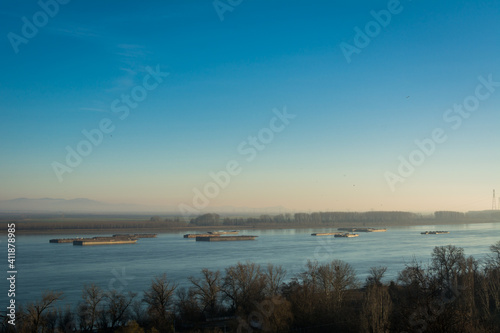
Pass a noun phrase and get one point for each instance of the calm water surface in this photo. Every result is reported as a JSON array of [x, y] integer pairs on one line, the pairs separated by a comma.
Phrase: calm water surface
[[67, 268]]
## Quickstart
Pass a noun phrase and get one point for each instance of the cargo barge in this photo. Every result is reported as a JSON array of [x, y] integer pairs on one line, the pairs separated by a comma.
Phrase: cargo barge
[[136, 235], [113, 241], [200, 235], [363, 229], [346, 235], [98, 240], [217, 238], [434, 232], [105, 240], [63, 240], [326, 233], [232, 232]]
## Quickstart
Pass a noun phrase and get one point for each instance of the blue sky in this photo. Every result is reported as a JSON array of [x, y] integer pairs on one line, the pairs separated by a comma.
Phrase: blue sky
[[225, 77]]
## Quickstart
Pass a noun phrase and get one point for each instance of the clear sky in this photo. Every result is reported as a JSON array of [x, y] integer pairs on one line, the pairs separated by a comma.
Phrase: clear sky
[[354, 83]]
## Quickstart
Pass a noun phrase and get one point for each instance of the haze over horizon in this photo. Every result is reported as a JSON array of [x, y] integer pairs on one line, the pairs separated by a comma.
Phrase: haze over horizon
[[281, 104]]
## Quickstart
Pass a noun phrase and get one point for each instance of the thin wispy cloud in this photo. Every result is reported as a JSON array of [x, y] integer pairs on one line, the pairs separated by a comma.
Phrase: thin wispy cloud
[[79, 32], [132, 60]]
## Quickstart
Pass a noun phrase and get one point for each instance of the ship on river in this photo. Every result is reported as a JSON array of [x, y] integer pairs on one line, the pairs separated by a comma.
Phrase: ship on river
[[99, 240], [105, 241], [326, 233], [363, 229], [218, 238], [231, 232]]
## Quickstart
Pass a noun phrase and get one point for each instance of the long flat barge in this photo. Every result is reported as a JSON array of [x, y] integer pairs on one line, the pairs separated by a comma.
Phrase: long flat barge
[[232, 232], [98, 240], [113, 238], [346, 235], [136, 235], [434, 232], [326, 233], [63, 240], [363, 229], [200, 235], [91, 241], [105, 240], [213, 238]]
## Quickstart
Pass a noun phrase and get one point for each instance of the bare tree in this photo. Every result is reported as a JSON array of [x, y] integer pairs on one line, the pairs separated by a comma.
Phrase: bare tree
[[66, 322], [35, 310], [243, 286], [491, 282], [117, 308], [273, 277], [92, 296], [447, 263], [494, 259], [377, 303], [138, 312], [375, 276], [159, 300], [208, 291], [188, 307], [414, 275], [301, 293], [309, 277], [335, 278]]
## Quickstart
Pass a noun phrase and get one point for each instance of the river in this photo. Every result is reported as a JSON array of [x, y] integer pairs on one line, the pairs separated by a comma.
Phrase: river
[[63, 267]]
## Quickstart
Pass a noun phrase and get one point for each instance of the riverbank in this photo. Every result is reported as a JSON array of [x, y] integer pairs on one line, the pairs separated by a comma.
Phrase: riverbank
[[90, 226]]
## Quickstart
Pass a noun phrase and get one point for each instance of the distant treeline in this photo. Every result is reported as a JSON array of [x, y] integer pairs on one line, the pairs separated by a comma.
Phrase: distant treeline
[[99, 225], [316, 219], [307, 219], [453, 293], [339, 218]]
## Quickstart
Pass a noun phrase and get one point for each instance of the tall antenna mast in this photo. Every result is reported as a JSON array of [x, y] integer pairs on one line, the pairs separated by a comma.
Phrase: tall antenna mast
[[494, 202]]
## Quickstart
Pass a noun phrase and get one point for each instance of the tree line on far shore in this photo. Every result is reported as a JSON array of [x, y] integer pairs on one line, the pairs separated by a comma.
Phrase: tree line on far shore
[[316, 219], [339, 218], [453, 293]]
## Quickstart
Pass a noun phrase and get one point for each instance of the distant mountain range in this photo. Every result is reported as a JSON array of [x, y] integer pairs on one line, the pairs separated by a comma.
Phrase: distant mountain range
[[84, 205]]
